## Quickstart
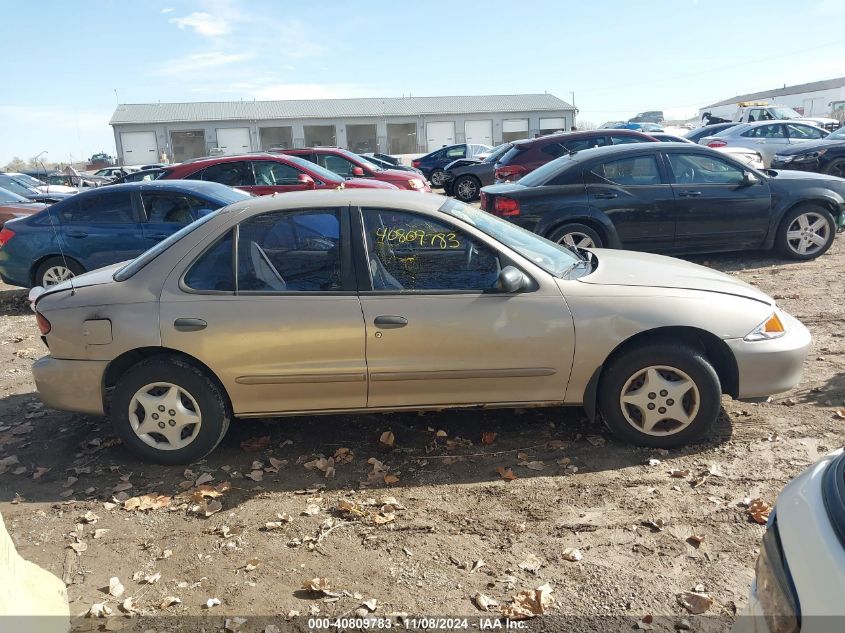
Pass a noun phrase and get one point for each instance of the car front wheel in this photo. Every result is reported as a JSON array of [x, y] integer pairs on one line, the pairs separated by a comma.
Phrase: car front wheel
[[466, 189], [806, 232], [169, 412], [662, 396]]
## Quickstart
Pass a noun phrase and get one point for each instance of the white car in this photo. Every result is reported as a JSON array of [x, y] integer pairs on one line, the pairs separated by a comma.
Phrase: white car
[[766, 137], [800, 582], [43, 187], [746, 156]]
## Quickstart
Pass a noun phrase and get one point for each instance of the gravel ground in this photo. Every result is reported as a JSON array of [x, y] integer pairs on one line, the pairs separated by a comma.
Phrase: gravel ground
[[424, 525]]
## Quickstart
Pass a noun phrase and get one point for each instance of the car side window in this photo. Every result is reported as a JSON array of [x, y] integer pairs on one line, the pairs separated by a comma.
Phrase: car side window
[[704, 170], [290, 251], [766, 131], [233, 174], [408, 251], [172, 207], [337, 164], [103, 208], [213, 270], [622, 139], [635, 170], [803, 132], [270, 173], [457, 152]]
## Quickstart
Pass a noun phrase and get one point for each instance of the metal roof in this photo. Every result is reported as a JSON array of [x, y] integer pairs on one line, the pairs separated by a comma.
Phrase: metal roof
[[813, 86], [332, 108]]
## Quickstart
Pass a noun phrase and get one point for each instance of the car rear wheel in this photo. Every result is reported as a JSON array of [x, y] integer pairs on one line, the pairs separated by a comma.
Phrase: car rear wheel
[[576, 235], [169, 412], [661, 396], [437, 178], [55, 270], [466, 188], [806, 232], [836, 168]]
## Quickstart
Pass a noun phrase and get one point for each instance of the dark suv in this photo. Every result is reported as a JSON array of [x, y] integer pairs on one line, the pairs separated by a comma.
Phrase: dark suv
[[526, 156]]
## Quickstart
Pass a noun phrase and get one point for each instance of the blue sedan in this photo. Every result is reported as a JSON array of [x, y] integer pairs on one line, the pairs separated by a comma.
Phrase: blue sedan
[[103, 226]]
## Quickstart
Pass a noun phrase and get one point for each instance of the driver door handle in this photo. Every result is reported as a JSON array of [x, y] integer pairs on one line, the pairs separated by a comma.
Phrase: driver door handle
[[605, 195], [689, 194], [77, 234], [390, 321], [189, 325]]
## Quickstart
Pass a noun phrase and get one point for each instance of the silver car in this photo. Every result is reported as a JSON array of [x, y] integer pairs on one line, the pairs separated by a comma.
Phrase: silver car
[[765, 137], [367, 300]]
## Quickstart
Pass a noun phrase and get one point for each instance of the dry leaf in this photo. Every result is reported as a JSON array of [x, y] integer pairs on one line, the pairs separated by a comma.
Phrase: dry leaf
[[343, 456], [116, 589], [152, 579], [233, 625], [488, 438], [40, 471], [528, 604], [840, 413], [596, 440], [100, 533], [317, 584], [571, 554], [484, 602], [477, 565], [128, 606], [99, 610], [656, 524], [255, 444], [645, 624], [535, 465], [255, 475], [204, 479], [79, 547], [759, 511], [70, 481], [89, 517], [169, 601], [695, 539], [212, 602], [277, 463], [506, 473], [122, 487], [252, 564], [531, 563], [679, 474], [441, 433], [387, 439], [695, 603], [654, 462], [390, 479]]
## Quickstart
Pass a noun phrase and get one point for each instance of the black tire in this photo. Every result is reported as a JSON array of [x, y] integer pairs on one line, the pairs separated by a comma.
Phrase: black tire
[[52, 263], [574, 228], [214, 409], [436, 178], [685, 359], [836, 168], [790, 225], [466, 188], [447, 188]]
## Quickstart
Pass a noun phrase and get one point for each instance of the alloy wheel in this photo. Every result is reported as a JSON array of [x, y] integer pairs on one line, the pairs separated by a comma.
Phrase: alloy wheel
[[165, 416], [467, 189], [576, 239], [660, 400], [808, 233], [437, 178], [56, 275]]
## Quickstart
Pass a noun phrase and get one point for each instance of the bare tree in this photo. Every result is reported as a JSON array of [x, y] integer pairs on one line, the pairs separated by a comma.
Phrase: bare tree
[[587, 125], [16, 164]]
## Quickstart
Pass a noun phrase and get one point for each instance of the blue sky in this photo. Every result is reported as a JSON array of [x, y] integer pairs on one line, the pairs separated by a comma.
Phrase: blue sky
[[65, 64]]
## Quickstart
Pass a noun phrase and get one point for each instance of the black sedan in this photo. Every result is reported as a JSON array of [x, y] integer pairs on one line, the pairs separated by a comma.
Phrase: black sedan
[[708, 130], [825, 156], [672, 198], [463, 178]]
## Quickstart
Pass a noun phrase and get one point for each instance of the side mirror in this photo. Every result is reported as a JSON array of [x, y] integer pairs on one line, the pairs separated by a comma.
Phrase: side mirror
[[306, 181], [357, 171], [510, 279], [749, 179]]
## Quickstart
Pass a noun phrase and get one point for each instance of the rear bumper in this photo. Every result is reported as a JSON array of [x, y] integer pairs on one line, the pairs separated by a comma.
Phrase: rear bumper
[[769, 367], [71, 385]]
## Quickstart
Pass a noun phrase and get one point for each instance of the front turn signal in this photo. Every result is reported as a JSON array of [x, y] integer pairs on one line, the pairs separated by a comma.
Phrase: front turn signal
[[768, 329]]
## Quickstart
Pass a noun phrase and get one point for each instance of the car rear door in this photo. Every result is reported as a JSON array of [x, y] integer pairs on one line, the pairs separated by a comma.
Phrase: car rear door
[[634, 193], [436, 331], [714, 210], [103, 228], [767, 139]]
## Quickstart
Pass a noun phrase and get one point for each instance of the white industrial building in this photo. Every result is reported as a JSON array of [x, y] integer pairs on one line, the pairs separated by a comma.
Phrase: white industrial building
[[407, 125], [818, 98]]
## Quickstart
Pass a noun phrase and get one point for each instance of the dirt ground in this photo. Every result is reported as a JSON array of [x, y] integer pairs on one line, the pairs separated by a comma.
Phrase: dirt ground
[[454, 527]]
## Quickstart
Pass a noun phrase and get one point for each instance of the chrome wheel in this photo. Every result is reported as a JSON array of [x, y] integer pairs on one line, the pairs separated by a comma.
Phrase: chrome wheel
[[164, 416], [56, 275], [660, 400], [437, 178], [577, 240], [808, 233], [467, 189]]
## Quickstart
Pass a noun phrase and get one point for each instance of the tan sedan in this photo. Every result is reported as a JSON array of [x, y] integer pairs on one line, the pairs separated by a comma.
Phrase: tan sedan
[[357, 300]]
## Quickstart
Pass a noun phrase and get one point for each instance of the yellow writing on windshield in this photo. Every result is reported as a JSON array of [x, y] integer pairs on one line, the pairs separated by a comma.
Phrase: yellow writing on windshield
[[424, 238]]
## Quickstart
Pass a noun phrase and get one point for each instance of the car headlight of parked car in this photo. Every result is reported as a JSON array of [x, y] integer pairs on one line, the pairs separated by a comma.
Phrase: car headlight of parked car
[[771, 328], [416, 183], [800, 158], [775, 591]]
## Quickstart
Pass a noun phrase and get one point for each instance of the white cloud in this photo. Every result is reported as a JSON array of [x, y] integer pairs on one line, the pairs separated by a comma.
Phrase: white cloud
[[204, 23], [829, 8], [200, 61], [168, 10]]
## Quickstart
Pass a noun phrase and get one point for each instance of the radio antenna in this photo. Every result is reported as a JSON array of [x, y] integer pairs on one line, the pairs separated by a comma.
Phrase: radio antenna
[[59, 243]]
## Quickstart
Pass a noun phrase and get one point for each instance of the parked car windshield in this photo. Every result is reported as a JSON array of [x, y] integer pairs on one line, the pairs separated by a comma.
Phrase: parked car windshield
[[7, 196], [14, 185], [540, 175], [29, 180], [838, 135], [322, 172], [553, 258], [357, 158]]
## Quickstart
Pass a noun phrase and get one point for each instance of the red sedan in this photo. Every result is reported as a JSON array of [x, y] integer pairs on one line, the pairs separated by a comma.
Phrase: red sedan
[[349, 165], [14, 206], [264, 174]]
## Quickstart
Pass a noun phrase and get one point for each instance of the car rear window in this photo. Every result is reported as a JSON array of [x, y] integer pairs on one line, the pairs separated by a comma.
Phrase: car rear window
[[510, 156]]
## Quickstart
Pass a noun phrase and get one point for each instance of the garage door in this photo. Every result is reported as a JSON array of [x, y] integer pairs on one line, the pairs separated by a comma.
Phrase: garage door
[[233, 140], [514, 130], [139, 148], [480, 132], [439, 133], [548, 126]]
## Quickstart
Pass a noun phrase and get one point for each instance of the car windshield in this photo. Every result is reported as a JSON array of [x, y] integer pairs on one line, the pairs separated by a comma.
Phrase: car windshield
[[29, 180], [15, 186], [785, 113], [553, 258], [7, 196], [540, 175], [838, 135], [497, 153], [322, 172]]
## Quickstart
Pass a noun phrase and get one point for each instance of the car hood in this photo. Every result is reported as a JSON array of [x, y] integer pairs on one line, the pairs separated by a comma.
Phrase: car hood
[[780, 175], [629, 268], [809, 146]]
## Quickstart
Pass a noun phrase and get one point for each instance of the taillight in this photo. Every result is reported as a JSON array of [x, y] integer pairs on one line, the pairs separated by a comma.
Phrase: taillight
[[505, 207], [717, 144], [415, 163], [43, 324], [484, 201], [5, 236], [509, 172]]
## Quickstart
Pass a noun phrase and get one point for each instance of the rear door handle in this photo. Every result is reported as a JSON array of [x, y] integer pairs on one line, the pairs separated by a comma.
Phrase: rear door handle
[[390, 321], [605, 196], [689, 194], [76, 234], [189, 325]]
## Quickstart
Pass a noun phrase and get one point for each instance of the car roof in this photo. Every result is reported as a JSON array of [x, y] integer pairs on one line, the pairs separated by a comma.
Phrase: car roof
[[185, 186], [562, 136], [632, 148], [227, 158], [338, 197]]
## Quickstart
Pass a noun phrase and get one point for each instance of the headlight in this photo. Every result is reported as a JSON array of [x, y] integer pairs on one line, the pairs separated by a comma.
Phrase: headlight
[[768, 329], [416, 183], [810, 155], [784, 159], [775, 590]]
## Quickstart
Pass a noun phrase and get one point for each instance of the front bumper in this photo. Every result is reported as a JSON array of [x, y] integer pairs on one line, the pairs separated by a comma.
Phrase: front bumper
[[804, 165], [71, 385], [775, 366], [752, 619]]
